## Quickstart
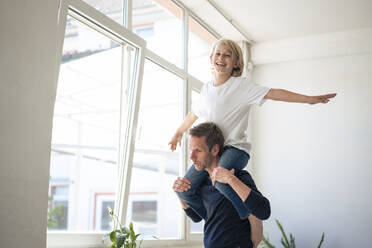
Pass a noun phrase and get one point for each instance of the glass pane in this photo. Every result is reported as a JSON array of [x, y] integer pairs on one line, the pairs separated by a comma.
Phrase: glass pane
[[103, 219], [195, 99], [153, 207], [85, 131], [200, 43], [144, 211], [159, 22], [111, 8]]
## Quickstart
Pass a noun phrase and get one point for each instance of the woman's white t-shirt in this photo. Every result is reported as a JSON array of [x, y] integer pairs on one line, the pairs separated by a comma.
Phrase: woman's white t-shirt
[[228, 106]]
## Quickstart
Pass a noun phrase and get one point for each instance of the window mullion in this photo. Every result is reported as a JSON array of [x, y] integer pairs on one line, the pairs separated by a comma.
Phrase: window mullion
[[127, 14], [134, 96], [186, 108]]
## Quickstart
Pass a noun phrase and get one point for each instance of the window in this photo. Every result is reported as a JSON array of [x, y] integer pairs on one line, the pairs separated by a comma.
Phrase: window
[[87, 127], [111, 131], [111, 8], [159, 22], [154, 166], [199, 46], [103, 201], [86, 121], [58, 207], [144, 211]]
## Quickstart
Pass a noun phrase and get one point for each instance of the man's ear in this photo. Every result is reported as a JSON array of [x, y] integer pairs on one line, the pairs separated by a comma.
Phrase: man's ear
[[215, 149]]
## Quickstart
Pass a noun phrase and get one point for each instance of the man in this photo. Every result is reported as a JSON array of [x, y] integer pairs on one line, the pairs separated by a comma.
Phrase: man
[[223, 227]]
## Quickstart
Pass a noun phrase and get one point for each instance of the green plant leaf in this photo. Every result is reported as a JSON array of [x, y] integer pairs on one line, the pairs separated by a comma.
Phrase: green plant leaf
[[267, 243], [131, 226], [113, 236], [285, 241], [111, 212], [292, 240], [132, 233], [120, 240], [127, 245], [321, 241]]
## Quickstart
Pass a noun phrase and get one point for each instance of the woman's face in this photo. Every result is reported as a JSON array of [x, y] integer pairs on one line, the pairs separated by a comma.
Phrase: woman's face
[[222, 60]]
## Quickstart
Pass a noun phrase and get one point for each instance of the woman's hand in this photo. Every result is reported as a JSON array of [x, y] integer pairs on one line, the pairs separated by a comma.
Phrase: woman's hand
[[221, 175], [177, 137], [321, 98], [181, 184]]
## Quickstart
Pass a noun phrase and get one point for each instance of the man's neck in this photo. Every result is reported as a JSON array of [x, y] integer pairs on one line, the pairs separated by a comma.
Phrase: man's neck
[[213, 165]]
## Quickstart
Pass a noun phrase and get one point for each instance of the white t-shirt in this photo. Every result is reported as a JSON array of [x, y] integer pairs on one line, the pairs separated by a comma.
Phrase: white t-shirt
[[228, 106]]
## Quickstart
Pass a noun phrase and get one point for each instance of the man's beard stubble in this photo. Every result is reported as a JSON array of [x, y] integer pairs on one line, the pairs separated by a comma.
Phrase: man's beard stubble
[[208, 161]]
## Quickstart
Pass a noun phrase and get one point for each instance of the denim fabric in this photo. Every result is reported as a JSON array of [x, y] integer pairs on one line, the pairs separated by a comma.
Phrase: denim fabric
[[231, 158]]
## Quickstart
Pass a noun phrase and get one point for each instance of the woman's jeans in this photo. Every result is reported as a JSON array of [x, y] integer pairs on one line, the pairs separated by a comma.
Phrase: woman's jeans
[[231, 158]]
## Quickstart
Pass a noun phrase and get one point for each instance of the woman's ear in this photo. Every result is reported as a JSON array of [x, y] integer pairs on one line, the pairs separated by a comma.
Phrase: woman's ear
[[236, 63]]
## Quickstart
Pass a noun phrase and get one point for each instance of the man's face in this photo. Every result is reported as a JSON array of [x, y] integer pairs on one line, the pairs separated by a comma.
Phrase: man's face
[[199, 153]]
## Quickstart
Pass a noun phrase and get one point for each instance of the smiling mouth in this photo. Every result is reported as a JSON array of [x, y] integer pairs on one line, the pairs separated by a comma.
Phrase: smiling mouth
[[218, 64]]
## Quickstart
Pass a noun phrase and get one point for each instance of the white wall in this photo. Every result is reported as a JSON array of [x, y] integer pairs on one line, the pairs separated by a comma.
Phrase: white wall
[[27, 48], [314, 162]]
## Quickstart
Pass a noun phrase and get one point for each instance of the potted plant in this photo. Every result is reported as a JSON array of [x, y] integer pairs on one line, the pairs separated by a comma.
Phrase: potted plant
[[284, 240], [123, 237]]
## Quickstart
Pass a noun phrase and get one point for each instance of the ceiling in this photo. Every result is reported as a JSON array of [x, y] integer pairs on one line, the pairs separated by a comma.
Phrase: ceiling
[[267, 20]]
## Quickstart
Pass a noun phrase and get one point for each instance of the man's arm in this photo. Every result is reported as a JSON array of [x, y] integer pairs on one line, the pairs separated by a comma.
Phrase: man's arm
[[251, 197], [190, 213], [256, 230], [288, 96]]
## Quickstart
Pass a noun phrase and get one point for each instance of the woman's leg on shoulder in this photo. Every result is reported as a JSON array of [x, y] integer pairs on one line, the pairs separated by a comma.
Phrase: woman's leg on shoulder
[[191, 196], [233, 158]]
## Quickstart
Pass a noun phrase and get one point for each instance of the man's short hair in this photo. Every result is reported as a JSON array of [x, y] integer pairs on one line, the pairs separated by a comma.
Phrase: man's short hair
[[213, 134]]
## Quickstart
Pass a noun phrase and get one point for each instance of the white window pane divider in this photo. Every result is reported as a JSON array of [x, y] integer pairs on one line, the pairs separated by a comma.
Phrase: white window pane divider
[[127, 139], [127, 14], [186, 109], [160, 61], [193, 84], [96, 19]]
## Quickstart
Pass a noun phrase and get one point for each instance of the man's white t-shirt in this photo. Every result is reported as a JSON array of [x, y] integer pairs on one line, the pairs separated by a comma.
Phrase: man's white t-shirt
[[228, 106]]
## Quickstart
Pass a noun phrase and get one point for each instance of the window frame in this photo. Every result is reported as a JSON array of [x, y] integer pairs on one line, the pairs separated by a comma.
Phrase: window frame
[[96, 20], [129, 115]]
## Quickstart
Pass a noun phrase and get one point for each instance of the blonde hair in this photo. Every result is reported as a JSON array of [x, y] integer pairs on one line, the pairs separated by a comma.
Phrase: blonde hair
[[237, 55]]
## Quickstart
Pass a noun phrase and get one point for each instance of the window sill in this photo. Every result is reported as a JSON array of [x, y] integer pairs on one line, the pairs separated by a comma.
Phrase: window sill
[[94, 240]]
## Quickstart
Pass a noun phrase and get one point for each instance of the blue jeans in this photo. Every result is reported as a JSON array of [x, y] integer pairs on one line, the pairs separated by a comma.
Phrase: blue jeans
[[231, 158]]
